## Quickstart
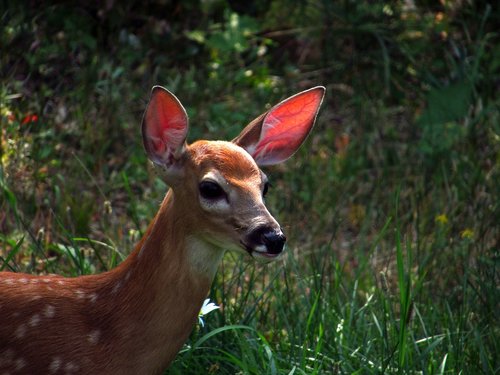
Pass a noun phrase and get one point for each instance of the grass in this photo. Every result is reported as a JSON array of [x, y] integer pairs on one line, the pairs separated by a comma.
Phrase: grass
[[391, 207]]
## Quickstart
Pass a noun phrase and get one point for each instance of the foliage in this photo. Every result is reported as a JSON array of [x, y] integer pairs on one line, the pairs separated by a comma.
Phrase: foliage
[[391, 209]]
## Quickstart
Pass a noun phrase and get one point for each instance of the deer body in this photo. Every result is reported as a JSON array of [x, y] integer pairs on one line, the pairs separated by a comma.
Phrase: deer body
[[135, 318]]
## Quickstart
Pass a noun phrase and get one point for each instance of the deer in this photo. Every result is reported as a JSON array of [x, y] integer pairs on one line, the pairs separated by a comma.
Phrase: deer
[[135, 318]]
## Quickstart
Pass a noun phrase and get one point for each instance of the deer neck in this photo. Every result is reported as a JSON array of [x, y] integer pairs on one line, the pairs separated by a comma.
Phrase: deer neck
[[163, 284]]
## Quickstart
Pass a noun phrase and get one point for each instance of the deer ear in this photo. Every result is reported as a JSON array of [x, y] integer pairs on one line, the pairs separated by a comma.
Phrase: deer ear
[[275, 135], [164, 127]]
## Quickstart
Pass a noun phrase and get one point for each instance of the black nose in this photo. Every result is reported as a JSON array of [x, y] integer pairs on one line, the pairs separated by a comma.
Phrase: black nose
[[274, 241]]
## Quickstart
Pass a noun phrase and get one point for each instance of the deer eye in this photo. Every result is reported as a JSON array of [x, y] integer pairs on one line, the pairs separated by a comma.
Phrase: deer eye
[[266, 188], [211, 190]]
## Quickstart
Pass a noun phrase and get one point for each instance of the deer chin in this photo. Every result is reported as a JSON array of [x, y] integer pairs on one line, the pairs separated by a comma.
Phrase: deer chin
[[260, 253], [265, 257]]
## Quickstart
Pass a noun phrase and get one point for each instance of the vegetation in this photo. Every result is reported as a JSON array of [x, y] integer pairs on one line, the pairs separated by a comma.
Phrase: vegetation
[[391, 208]]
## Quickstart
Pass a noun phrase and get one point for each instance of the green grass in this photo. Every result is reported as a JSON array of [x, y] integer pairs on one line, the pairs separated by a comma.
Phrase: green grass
[[391, 207]]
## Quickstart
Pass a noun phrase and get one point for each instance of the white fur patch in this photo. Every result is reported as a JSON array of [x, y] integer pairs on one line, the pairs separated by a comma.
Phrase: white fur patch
[[20, 364], [49, 311], [55, 364], [80, 294], [117, 287], [216, 205], [70, 367], [204, 257], [93, 297], [93, 337], [21, 331], [34, 321]]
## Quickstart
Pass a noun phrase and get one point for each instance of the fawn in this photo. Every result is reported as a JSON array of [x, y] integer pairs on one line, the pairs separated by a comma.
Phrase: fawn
[[135, 318]]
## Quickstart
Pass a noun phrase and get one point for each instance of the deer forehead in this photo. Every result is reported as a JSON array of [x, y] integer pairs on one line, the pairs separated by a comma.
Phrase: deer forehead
[[227, 160]]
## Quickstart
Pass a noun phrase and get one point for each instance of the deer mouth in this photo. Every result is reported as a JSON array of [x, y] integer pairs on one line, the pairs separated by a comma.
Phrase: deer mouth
[[259, 252]]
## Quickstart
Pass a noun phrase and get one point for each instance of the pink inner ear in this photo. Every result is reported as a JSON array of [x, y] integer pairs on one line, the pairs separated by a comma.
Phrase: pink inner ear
[[165, 125], [286, 126]]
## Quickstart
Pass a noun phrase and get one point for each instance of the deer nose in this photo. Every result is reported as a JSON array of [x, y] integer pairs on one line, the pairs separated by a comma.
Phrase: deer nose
[[274, 241], [266, 240]]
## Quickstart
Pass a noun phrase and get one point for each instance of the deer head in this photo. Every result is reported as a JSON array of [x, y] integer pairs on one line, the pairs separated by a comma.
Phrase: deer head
[[220, 183]]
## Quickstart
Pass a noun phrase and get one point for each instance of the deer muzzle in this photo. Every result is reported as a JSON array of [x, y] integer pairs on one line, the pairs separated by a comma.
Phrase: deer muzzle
[[266, 241]]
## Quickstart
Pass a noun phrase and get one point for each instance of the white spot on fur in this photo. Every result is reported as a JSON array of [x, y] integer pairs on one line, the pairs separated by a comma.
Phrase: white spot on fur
[[9, 281], [216, 205], [60, 282], [70, 367], [35, 298], [34, 281], [80, 293], [21, 331], [49, 311], [93, 297], [117, 287], [93, 336], [46, 281], [34, 321], [23, 280], [55, 364], [20, 364]]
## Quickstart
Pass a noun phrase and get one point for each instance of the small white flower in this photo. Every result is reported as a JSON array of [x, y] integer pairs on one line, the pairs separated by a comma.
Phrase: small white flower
[[205, 309]]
